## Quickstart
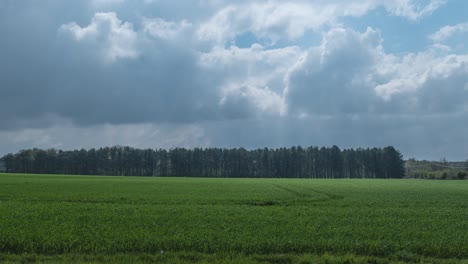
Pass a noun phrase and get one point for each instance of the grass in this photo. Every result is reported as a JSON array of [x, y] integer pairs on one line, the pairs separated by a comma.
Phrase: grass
[[46, 218]]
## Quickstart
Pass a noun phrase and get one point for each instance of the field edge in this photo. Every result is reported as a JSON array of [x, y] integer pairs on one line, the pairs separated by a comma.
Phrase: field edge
[[194, 257]]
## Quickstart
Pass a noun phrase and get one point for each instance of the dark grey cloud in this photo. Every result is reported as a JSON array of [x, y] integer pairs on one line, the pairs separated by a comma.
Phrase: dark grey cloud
[[332, 78], [47, 71], [163, 85], [424, 137], [28, 29]]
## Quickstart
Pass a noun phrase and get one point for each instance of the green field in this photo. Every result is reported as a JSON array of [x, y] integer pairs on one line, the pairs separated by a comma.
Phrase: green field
[[134, 219]]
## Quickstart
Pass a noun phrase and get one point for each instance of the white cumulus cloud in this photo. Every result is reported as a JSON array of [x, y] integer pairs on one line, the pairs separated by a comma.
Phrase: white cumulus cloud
[[161, 28], [115, 38], [275, 20]]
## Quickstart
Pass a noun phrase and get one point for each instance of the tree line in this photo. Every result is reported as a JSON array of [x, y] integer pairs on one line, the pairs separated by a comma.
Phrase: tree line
[[294, 162], [438, 170]]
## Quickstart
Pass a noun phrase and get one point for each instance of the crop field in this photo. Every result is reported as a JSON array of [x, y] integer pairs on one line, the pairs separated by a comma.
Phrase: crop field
[[45, 218]]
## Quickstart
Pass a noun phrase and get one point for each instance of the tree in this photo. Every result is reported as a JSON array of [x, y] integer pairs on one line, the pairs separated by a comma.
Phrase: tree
[[336, 162], [296, 162], [394, 164], [9, 164], [2, 166]]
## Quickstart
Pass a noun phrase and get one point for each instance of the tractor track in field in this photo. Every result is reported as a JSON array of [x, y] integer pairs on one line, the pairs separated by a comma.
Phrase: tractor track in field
[[299, 194]]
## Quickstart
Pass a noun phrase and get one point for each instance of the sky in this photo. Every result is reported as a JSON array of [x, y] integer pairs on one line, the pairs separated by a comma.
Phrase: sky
[[253, 74]]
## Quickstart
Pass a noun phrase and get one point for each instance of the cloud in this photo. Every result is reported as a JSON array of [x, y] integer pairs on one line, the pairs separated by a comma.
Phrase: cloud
[[154, 75], [270, 20], [116, 39], [248, 101], [276, 20], [253, 78], [350, 73], [413, 9], [422, 136], [155, 72], [334, 78], [425, 83], [99, 3], [132, 76], [64, 136], [160, 28], [448, 31]]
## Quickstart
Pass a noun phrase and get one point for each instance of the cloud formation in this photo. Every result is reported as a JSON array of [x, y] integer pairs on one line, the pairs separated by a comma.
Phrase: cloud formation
[[108, 34], [243, 73], [336, 77], [275, 20], [448, 31]]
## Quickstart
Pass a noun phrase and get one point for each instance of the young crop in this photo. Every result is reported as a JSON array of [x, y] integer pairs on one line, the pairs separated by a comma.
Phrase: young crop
[[254, 219]]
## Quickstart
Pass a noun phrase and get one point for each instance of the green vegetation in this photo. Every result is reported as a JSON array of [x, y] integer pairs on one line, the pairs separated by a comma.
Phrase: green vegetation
[[434, 170], [133, 219], [294, 162]]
